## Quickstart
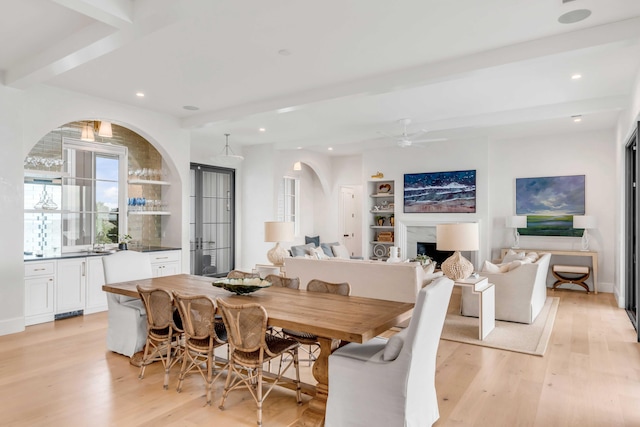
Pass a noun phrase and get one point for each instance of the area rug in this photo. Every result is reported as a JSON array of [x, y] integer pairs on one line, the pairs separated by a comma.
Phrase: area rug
[[518, 337]]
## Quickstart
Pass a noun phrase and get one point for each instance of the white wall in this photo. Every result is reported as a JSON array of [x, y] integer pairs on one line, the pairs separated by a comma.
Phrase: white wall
[[592, 154], [11, 212], [26, 116]]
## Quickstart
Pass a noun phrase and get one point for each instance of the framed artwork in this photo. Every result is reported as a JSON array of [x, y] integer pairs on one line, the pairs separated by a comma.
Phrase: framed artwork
[[440, 192], [549, 204]]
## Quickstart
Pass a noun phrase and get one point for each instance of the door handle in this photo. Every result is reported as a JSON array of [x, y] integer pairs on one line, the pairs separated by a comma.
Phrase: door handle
[[345, 235]]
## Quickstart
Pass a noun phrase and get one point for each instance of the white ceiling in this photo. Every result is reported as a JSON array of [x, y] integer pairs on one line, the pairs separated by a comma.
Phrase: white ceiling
[[459, 69]]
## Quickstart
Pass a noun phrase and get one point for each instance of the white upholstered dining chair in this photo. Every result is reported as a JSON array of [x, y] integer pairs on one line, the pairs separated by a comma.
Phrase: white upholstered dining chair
[[391, 382], [127, 330]]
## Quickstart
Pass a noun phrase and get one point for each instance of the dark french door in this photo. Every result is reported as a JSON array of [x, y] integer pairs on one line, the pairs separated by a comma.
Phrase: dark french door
[[211, 222], [632, 243]]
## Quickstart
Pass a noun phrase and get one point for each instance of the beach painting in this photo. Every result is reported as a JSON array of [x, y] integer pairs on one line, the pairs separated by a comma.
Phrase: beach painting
[[550, 203], [440, 192]]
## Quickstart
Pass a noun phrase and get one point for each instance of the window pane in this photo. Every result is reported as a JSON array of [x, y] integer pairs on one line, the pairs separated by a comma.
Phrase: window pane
[[106, 227], [107, 168], [77, 195], [106, 196], [76, 229]]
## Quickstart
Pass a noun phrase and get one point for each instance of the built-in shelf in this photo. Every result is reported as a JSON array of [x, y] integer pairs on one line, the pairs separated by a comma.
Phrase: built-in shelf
[[383, 227], [375, 242], [45, 211], [149, 213], [148, 182], [44, 174], [388, 211], [382, 195]]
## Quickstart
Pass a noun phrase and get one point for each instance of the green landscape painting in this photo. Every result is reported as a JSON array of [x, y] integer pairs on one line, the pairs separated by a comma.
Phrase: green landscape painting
[[550, 204]]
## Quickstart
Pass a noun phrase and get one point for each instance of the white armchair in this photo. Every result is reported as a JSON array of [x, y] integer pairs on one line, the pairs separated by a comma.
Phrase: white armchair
[[391, 382], [520, 293], [127, 330]]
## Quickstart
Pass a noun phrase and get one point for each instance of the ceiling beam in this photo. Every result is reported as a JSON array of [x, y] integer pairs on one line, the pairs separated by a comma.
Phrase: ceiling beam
[[425, 74], [115, 13]]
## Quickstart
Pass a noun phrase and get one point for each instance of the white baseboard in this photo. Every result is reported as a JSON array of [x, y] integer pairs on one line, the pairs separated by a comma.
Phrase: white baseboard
[[11, 326]]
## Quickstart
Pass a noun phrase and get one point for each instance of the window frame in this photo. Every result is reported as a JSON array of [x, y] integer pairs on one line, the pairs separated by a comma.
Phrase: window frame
[[284, 213]]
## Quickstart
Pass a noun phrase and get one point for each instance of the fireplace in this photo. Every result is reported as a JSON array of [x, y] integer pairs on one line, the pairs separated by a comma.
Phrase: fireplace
[[429, 249]]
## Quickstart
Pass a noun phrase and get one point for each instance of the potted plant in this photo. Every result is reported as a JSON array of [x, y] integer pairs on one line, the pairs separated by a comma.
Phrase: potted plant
[[123, 240]]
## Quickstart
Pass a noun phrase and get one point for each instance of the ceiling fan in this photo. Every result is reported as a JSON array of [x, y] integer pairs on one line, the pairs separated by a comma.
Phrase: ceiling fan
[[407, 140]]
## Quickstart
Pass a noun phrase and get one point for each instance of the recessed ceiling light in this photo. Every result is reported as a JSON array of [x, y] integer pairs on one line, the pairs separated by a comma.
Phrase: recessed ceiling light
[[576, 76], [140, 94], [284, 52], [191, 108], [330, 148], [299, 148], [574, 16], [262, 130], [577, 119]]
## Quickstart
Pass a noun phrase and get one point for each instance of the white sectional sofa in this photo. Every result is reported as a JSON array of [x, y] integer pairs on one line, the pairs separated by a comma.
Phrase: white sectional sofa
[[371, 279], [520, 293]]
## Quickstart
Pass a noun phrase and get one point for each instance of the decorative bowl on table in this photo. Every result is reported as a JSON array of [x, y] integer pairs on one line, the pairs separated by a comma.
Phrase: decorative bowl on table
[[242, 286]]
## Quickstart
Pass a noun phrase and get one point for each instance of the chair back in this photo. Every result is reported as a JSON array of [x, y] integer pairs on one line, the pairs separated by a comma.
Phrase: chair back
[[126, 265], [421, 346], [159, 306], [283, 282], [316, 285], [237, 274], [246, 325], [198, 314]]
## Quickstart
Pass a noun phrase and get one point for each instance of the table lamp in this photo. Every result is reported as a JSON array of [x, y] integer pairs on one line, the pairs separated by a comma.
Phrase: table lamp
[[586, 222], [457, 237], [275, 231], [516, 222]]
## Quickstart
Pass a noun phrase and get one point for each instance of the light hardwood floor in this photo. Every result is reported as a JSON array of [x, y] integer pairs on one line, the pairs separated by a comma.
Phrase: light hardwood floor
[[59, 374]]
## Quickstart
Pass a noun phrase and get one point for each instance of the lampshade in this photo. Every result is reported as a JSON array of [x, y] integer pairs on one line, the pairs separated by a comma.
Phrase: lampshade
[[297, 166], [457, 237], [87, 133], [519, 221], [105, 130], [584, 221]]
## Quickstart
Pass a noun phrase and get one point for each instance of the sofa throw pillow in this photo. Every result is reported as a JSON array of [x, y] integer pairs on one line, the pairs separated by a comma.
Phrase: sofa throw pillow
[[512, 255], [317, 253], [394, 346], [531, 256], [340, 251], [490, 267], [429, 268], [326, 247], [315, 240], [301, 250]]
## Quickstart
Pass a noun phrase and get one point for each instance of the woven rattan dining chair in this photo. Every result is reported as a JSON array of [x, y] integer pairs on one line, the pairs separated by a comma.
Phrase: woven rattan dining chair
[[251, 347], [203, 333], [311, 340], [238, 274], [163, 335], [283, 282]]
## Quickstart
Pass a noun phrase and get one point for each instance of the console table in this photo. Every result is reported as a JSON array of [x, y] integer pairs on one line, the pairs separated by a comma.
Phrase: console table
[[591, 254], [486, 300]]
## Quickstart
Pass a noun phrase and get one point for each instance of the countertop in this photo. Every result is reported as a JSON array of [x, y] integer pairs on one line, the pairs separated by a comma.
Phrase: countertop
[[84, 254]]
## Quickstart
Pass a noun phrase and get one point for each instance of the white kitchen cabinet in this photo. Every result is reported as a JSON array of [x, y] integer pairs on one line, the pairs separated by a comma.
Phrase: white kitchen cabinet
[[96, 297], [39, 282], [165, 263], [71, 285]]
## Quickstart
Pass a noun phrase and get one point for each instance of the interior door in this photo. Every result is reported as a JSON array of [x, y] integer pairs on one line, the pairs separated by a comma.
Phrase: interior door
[[632, 243], [350, 221], [211, 223]]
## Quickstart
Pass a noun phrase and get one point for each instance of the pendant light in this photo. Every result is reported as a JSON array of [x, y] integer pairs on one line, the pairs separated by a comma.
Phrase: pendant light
[[105, 130], [87, 133], [227, 156]]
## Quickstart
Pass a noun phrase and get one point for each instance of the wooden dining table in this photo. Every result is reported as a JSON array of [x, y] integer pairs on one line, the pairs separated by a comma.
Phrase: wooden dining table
[[333, 318]]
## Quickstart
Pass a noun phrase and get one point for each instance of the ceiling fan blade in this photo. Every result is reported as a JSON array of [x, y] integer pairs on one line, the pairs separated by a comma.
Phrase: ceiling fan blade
[[430, 140]]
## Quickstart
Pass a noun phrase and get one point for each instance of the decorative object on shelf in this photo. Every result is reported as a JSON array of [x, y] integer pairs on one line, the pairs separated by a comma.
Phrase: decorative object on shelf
[[384, 188], [227, 156], [46, 201], [123, 241], [385, 236], [392, 220], [242, 286], [276, 231], [440, 192], [378, 175], [394, 254], [380, 220], [422, 259], [457, 237], [585, 222], [515, 222], [550, 203], [380, 251]]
